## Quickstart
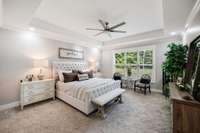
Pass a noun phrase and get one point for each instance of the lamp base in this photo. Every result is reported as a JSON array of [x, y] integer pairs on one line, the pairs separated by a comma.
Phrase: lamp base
[[40, 77]]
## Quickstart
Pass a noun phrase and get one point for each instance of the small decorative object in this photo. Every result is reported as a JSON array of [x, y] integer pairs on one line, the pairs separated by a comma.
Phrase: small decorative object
[[179, 81], [181, 87], [40, 76], [29, 77], [187, 98], [70, 53], [41, 64]]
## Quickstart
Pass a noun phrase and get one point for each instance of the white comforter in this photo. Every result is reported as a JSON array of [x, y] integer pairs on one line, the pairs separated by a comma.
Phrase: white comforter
[[88, 89]]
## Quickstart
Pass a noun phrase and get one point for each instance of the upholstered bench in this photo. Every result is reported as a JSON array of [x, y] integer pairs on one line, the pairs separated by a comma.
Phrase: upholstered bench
[[101, 101]]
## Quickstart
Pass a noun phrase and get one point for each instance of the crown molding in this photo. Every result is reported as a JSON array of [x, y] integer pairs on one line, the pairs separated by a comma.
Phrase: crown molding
[[56, 36], [139, 36], [44, 25], [149, 41], [192, 15]]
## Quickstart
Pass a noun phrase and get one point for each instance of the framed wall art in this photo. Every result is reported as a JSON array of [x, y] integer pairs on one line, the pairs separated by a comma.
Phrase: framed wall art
[[70, 54]]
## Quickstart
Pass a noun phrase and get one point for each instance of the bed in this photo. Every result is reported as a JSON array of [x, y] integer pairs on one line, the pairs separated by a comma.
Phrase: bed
[[79, 94]]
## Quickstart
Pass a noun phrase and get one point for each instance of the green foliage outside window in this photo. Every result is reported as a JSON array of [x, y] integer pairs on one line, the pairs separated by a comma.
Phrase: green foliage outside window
[[120, 58], [134, 63], [148, 57], [131, 57]]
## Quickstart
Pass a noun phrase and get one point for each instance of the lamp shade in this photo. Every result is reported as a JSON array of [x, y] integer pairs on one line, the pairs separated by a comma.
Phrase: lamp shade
[[41, 63], [93, 65]]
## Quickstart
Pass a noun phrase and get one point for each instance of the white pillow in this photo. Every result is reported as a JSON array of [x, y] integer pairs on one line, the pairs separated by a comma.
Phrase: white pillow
[[60, 75], [86, 70], [83, 77]]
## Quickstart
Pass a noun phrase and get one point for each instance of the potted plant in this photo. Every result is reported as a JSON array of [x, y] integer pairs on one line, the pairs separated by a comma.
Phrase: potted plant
[[175, 60]]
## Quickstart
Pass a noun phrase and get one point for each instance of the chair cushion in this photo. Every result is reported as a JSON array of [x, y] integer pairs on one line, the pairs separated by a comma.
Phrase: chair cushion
[[146, 79], [139, 84]]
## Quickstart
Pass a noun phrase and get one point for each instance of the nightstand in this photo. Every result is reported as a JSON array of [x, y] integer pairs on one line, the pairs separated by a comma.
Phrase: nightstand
[[35, 91]]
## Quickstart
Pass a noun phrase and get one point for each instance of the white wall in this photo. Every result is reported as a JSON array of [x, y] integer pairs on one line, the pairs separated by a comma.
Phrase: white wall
[[161, 49], [1, 12], [17, 52]]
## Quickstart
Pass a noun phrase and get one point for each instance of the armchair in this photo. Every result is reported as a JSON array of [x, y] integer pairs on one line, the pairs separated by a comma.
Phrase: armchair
[[143, 83], [117, 76]]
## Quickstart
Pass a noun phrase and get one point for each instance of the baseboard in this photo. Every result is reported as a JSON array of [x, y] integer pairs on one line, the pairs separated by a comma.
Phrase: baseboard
[[16, 103], [10, 105], [156, 90]]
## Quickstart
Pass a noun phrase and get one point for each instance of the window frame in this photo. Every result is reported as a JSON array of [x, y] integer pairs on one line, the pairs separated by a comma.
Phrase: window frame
[[137, 49]]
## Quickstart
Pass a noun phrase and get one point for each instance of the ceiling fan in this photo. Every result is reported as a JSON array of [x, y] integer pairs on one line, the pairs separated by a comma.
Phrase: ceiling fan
[[107, 29]]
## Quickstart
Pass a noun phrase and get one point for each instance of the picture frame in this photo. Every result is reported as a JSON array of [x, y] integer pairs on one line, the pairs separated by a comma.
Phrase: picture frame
[[64, 53]]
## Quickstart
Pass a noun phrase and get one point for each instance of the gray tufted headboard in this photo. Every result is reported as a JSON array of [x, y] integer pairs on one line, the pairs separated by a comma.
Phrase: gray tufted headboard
[[67, 66]]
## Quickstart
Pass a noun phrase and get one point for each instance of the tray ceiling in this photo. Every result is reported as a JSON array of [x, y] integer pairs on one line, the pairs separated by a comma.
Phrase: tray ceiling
[[76, 15]]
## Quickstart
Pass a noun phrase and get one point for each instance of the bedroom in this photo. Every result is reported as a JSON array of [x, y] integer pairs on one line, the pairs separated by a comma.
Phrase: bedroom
[[47, 44]]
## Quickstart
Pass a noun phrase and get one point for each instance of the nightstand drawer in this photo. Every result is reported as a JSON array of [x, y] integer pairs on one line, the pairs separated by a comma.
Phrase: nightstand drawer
[[35, 86], [33, 99], [36, 91]]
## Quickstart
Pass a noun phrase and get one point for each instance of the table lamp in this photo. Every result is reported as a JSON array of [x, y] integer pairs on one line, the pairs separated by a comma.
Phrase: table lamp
[[41, 64], [93, 65]]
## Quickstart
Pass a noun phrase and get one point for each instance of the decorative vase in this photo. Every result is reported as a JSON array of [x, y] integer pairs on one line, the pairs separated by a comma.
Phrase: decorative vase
[[40, 77]]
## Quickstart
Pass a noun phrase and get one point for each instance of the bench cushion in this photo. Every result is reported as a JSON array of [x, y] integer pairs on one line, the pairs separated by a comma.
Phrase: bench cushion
[[104, 99]]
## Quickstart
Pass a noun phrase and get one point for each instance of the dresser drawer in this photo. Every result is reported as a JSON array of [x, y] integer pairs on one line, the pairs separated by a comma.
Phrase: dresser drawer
[[36, 98]]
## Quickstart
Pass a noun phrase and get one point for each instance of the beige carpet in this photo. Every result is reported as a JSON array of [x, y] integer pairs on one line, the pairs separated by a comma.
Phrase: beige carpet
[[138, 114]]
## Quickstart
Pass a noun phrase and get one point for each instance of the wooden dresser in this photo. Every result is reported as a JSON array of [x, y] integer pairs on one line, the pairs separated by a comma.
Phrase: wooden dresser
[[185, 113], [34, 91]]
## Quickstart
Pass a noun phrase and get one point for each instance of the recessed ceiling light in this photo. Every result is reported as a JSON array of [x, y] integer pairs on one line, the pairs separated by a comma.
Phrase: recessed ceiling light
[[173, 33], [32, 29]]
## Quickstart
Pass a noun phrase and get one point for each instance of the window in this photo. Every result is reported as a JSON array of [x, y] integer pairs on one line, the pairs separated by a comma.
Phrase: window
[[135, 62]]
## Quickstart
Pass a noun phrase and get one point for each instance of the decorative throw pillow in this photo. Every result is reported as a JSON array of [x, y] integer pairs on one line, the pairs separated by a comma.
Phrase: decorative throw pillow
[[145, 79], [83, 77], [69, 77], [75, 71], [60, 75], [86, 70], [90, 73]]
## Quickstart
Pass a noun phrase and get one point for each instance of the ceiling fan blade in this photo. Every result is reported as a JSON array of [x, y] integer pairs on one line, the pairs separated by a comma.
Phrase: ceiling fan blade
[[94, 29], [102, 23], [119, 31], [99, 33], [118, 25]]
